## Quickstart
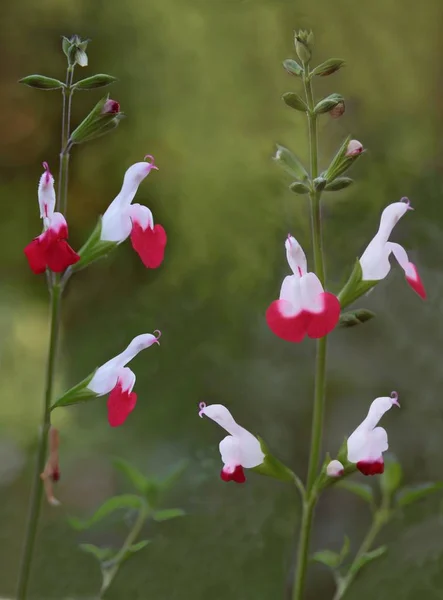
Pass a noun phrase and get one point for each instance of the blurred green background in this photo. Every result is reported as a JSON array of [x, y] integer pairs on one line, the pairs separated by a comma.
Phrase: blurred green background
[[200, 82]]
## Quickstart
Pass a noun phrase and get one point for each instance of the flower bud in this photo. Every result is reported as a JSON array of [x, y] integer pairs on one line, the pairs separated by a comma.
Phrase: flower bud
[[354, 148], [290, 163], [338, 110], [294, 101], [328, 67], [319, 183], [304, 42], [334, 469], [292, 67], [340, 183], [299, 188], [328, 103], [75, 50], [104, 117]]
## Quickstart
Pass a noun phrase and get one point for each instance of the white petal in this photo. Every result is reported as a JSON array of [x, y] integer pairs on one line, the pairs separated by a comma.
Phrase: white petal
[[402, 258], [116, 223], [296, 257], [334, 469], [46, 194], [126, 378], [221, 415], [57, 222], [230, 452], [290, 291], [311, 290], [377, 443], [377, 409], [374, 261], [390, 217], [142, 215]]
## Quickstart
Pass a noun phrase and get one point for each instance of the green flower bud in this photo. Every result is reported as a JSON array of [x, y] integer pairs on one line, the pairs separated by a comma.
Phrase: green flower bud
[[294, 101], [329, 103], [355, 317], [340, 183], [299, 188], [304, 42], [96, 81], [104, 117], [293, 67], [290, 163], [328, 67], [75, 50]]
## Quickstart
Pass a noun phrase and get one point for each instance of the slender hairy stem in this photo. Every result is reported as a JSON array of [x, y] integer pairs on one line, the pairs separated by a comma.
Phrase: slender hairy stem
[[55, 303], [119, 557], [320, 370], [35, 504]]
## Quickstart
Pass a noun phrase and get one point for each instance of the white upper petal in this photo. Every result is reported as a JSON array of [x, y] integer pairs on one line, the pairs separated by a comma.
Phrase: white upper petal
[[46, 194], [57, 222], [368, 441], [311, 290], [127, 379], [105, 378], [290, 291], [116, 222], [296, 257], [142, 215], [230, 452], [390, 217]]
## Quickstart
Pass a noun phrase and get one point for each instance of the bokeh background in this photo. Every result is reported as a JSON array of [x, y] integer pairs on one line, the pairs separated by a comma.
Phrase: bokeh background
[[200, 82]]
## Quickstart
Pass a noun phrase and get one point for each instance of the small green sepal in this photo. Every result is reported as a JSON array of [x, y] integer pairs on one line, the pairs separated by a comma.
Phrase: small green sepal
[[292, 67], [328, 67], [294, 101], [355, 317], [272, 467], [78, 393]]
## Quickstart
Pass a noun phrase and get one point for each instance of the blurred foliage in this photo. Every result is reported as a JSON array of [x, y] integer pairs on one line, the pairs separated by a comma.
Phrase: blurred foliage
[[201, 82]]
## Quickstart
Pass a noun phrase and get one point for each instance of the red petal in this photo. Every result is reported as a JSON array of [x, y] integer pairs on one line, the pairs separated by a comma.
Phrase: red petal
[[416, 283], [120, 405], [323, 323], [149, 244], [35, 253], [291, 329], [60, 255], [238, 475], [371, 468]]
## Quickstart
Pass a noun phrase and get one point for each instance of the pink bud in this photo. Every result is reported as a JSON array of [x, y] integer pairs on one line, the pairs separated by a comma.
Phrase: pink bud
[[354, 148], [110, 107], [334, 469]]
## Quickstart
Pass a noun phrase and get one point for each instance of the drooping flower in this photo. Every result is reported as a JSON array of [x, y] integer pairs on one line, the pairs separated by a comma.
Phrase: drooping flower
[[239, 450], [375, 259], [334, 469], [368, 442], [304, 308], [50, 249], [123, 219]]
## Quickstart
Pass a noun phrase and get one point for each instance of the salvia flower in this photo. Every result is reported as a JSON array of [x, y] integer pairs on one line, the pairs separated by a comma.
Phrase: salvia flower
[[50, 249], [239, 450], [334, 469], [123, 219], [374, 261], [354, 148], [304, 308], [368, 442]]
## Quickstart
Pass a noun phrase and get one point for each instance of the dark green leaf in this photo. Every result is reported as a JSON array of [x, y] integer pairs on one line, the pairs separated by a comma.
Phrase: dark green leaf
[[41, 82], [100, 554], [328, 67], [338, 184], [299, 188], [96, 81], [125, 501], [294, 101], [167, 514], [138, 480], [327, 557], [293, 67], [355, 317], [414, 493], [363, 490], [290, 163], [369, 557]]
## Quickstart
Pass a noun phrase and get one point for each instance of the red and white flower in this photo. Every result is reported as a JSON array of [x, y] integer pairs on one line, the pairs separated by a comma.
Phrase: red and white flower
[[123, 219], [117, 380], [239, 450], [375, 259], [50, 250], [304, 308], [335, 469]]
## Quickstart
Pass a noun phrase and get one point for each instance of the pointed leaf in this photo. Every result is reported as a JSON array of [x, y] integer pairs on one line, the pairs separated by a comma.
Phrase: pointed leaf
[[363, 490], [294, 101], [290, 163], [41, 82], [96, 81], [369, 557], [328, 67], [138, 480], [327, 557], [167, 514], [171, 479], [345, 549], [78, 393], [125, 501], [355, 317], [414, 493], [138, 546], [292, 67], [100, 554]]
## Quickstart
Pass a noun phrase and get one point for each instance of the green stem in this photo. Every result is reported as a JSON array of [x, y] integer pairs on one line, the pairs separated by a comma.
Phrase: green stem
[[119, 557], [36, 496], [66, 131], [320, 370]]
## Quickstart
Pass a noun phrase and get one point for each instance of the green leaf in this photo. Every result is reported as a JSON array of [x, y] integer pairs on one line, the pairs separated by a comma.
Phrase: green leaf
[[391, 478], [299, 188], [355, 317], [41, 82], [414, 493], [319, 183], [290, 163], [345, 548], [293, 67], [338, 184], [93, 249], [328, 67], [138, 480], [138, 546], [369, 557], [167, 514], [100, 554], [362, 490], [294, 101], [78, 393], [171, 479], [125, 501], [328, 103], [96, 81], [327, 557]]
